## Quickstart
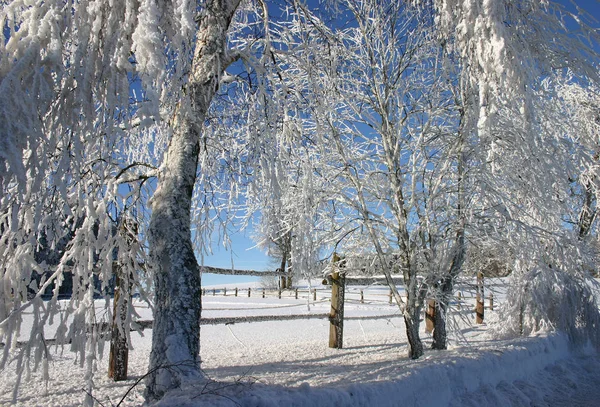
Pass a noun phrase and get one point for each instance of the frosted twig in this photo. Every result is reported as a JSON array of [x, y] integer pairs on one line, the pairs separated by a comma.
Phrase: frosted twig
[[235, 337], [363, 330]]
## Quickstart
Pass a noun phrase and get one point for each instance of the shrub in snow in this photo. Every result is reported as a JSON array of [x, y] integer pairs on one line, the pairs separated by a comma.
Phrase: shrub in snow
[[549, 299]]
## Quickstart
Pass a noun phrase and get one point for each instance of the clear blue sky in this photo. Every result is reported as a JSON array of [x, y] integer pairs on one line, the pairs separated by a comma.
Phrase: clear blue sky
[[243, 256]]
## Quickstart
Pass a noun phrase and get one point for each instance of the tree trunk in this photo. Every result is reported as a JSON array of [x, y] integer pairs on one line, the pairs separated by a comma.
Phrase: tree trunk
[[412, 314], [588, 212], [446, 292], [282, 278], [124, 278], [175, 354], [119, 348], [440, 335]]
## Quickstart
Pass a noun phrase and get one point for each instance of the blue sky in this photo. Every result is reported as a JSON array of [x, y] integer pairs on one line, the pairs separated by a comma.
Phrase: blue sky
[[591, 6], [242, 255]]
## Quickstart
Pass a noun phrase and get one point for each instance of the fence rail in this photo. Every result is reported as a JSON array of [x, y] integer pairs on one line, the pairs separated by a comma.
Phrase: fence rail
[[233, 272], [371, 295], [335, 317], [141, 325]]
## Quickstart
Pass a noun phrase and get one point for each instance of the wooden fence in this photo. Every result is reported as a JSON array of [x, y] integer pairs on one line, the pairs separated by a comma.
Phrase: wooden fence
[[355, 295], [339, 293]]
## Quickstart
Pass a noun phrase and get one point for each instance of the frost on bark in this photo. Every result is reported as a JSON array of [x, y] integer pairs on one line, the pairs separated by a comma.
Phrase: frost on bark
[[122, 306], [412, 312], [440, 336], [119, 348], [176, 332], [446, 288], [588, 212], [336, 315]]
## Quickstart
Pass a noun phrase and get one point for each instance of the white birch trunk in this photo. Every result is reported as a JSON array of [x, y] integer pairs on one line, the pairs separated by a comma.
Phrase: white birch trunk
[[446, 289], [175, 352]]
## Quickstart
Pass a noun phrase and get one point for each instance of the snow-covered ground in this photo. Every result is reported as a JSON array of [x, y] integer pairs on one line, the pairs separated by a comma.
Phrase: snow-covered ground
[[277, 363]]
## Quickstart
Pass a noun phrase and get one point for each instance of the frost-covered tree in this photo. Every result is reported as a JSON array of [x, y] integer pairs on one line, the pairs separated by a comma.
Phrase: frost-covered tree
[[460, 163], [64, 113], [81, 78], [506, 46], [110, 111], [381, 124], [268, 198], [582, 106], [539, 224], [176, 331], [514, 55]]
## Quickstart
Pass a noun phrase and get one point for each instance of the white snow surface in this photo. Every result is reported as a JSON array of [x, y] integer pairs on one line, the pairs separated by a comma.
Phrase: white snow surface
[[279, 363]]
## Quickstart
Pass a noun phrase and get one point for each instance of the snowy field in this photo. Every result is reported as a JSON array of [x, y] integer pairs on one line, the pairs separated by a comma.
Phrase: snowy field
[[281, 363]]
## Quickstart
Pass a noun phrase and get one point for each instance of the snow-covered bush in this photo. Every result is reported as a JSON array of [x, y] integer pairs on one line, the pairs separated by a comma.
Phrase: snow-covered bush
[[269, 282], [547, 299]]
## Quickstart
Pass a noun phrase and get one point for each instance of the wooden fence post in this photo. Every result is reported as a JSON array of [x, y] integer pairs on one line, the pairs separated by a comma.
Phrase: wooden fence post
[[430, 316], [314, 294], [491, 301], [479, 309], [236, 291], [296, 293], [214, 292], [224, 291], [248, 292], [336, 315], [263, 293], [279, 294], [362, 297]]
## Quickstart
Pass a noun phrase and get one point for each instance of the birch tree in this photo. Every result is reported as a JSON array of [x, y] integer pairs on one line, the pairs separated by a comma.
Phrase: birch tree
[[176, 329], [548, 252], [66, 73], [113, 94], [378, 110], [63, 120]]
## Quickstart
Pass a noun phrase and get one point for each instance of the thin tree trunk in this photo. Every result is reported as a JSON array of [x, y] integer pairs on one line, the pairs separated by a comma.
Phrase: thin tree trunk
[[282, 278], [119, 348], [440, 335], [415, 345], [446, 292], [588, 212], [413, 298], [412, 316], [176, 331]]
